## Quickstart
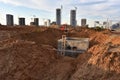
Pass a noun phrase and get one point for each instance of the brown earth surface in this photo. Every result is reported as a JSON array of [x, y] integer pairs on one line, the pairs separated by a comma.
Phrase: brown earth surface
[[29, 53]]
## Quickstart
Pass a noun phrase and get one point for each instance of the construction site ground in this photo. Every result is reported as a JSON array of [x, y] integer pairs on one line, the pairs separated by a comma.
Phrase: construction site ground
[[29, 53]]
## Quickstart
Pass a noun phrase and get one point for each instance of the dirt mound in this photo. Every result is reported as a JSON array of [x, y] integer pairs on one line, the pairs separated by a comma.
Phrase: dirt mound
[[106, 58], [116, 40], [24, 60], [7, 34], [49, 37], [103, 64], [30, 55], [102, 60], [23, 29], [95, 37]]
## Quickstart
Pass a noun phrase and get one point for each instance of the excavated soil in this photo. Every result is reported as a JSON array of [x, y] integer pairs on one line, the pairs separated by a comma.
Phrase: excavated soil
[[29, 53]]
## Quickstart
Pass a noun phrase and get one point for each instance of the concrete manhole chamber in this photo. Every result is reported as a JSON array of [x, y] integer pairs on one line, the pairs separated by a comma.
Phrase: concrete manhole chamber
[[72, 46]]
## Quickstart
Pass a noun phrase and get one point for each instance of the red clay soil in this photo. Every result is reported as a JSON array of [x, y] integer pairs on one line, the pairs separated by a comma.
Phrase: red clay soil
[[102, 65], [27, 58], [102, 60], [116, 40], [29, 54], [28, 61], [48, 37]]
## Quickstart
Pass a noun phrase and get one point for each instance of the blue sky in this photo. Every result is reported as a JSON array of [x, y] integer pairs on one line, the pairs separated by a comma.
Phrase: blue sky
[[45, 9]]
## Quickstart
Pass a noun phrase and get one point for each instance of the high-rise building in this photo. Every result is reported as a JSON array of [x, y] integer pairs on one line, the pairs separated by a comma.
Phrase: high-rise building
[[96, 23], [58, 16], [47, 22], [83, 22], [36, 21], [73, 21], [21, 21], [9, 20]]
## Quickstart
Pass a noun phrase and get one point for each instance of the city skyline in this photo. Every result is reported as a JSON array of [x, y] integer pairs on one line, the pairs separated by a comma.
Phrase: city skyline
[[92, 10]]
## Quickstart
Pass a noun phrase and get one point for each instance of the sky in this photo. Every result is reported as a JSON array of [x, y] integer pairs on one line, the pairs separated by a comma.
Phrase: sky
[[92, 10]]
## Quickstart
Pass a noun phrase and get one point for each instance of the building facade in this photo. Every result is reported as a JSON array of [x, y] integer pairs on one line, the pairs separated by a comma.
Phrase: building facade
[[58, 16], [47, 23], [9, 20], [21, 21], [83, 22], [36, 21], [73, 21]]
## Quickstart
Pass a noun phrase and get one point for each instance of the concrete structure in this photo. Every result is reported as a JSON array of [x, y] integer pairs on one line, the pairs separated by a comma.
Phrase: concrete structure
[[116, 27], [58, 16], [36, 21], [83, 22], [70, 46], [73, 21], [22, 21], [9, 20]]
